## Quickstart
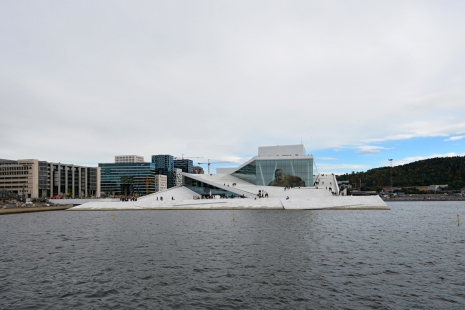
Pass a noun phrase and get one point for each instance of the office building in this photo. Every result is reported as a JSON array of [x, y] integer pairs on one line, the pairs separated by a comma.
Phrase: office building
[[129, 159], [186, 165], [164, 164], [160, 183], [31, 178], [127, 179]]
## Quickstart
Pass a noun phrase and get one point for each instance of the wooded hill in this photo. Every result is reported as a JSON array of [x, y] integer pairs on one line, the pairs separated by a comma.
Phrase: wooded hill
[[434, 171]]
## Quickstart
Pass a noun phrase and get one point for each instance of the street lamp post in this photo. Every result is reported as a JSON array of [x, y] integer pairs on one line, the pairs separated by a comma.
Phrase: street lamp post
[[391, 174]]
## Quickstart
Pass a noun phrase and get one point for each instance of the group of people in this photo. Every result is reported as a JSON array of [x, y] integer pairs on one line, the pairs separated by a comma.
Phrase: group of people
[[262, 194], [331, 190], [161, 198], [128, 198]]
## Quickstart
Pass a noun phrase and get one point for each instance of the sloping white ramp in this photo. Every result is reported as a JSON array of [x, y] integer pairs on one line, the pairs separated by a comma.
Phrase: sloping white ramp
[[309, 203]]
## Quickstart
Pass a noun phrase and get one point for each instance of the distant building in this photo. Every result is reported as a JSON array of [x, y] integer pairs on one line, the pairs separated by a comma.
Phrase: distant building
[[178, 177], [198, 170], [344, 185], [127, 179], [160, 183], [419, 188], [388, 188], [164, 164], [129, 159], [186, 165], [436, 188], [31, 178]]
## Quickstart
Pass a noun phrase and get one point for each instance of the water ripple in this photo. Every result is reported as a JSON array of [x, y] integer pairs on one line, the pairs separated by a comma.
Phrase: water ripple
[[409, 257]]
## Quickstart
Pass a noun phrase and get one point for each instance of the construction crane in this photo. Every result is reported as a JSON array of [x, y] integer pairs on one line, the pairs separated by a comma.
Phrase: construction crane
[[187, 157], [147, 180], [216, 162]]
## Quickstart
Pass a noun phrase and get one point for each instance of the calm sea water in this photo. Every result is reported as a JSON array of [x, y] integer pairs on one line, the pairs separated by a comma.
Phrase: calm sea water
[[410, 257]]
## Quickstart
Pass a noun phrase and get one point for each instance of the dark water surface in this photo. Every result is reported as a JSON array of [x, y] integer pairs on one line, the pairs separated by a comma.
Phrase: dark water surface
[[410, 257]]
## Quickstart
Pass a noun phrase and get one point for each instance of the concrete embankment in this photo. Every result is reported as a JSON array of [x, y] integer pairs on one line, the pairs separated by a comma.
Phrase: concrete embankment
[[33, 209], [359, 208], [306, 203], [432, 198]]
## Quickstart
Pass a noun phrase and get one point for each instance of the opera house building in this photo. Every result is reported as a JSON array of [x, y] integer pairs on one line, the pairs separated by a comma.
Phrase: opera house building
[[279, 178]]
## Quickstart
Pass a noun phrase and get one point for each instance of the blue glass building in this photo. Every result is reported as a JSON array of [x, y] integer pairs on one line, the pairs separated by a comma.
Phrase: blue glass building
[[164, 164], [186, 165], [127, 179]]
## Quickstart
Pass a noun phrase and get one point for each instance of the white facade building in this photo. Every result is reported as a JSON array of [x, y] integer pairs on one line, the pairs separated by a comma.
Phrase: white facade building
[[129, 159], [178, 177], [282, 150], [161, 182]]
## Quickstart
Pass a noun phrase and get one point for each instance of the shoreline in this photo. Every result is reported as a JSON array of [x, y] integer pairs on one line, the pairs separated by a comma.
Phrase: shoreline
[[425, 199]]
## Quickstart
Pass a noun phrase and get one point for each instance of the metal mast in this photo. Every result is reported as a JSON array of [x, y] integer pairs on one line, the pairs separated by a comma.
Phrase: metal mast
[[391, 173]]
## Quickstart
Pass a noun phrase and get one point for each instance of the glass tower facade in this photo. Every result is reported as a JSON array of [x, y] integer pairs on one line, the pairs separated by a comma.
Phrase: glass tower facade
[[164, 164], [278, 172], [127, 179], [186, 165]]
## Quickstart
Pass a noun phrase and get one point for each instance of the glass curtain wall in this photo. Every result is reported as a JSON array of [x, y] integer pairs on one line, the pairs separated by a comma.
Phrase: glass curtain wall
[[116, 179], [285, 172], [247, 173], [278, 172]]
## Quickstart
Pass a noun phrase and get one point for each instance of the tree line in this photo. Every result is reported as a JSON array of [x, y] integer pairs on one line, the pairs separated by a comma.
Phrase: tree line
[[434, 171]]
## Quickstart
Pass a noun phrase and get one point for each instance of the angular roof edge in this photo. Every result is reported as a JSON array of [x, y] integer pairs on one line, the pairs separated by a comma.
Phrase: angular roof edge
[[226, 188]]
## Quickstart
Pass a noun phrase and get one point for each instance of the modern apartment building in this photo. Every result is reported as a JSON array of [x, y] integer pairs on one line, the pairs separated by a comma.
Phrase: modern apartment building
[[164, 164], [186, 165], [160, 182], [129, 159], [31, 178], [178, 177]]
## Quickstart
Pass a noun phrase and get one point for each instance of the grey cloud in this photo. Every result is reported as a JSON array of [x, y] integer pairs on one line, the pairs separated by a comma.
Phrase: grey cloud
[[370, 149], [217, 79]]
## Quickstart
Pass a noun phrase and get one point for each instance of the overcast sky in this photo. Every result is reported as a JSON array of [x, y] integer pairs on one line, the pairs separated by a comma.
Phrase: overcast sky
[[357, 81]]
